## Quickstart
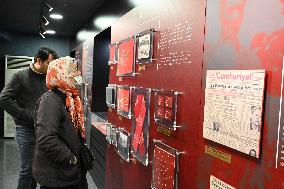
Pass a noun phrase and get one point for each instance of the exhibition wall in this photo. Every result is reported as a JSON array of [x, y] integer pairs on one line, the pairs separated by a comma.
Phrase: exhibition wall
[[220, 65], [177, 65]]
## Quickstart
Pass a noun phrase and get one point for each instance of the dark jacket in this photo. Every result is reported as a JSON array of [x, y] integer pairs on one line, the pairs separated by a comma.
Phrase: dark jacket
[[56, 142], [19, 96]]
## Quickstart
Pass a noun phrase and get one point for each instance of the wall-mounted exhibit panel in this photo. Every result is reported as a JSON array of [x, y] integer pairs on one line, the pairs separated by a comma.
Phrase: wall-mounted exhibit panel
[[242, 114], [167, 36], [140, 124], [226, 123]]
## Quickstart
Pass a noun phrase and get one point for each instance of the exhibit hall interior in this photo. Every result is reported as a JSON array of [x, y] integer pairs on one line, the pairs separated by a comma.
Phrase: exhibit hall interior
[[173, 94]]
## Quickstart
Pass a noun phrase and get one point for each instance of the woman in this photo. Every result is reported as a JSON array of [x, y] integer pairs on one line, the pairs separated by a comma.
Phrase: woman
[[60, 129]]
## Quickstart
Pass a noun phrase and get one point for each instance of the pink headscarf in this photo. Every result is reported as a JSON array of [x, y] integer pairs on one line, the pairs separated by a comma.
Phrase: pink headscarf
[[59, 76]]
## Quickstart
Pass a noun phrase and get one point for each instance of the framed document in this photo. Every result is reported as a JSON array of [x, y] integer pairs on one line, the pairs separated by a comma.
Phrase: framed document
[[165, 167], [111, 95], [145, 46], [140, 124], [123, 101], [123, 144], [166, 108], [114, 133], [112, 54], [108, 132], [233, 109], [126, 57]]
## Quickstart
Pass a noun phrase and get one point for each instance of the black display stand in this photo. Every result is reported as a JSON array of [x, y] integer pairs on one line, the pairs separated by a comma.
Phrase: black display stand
[[98, 141]]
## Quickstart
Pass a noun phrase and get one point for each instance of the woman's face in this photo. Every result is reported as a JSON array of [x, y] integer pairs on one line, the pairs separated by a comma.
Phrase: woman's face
[[74, 72]]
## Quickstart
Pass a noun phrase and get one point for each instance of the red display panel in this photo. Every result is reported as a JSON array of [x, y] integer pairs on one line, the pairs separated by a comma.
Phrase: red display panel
[[177, 66], [126, 64], [123, 101], [140, 124], [163, 169], [239, 35]]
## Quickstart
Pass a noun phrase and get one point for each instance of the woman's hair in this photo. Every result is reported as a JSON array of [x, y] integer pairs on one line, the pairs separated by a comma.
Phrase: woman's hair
[[44, 52]]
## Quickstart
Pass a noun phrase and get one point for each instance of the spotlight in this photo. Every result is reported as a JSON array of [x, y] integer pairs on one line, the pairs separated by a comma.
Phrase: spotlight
[[41, 35], [56, 16], [49, 32], [41, 31], [45, 21], [49, 7]]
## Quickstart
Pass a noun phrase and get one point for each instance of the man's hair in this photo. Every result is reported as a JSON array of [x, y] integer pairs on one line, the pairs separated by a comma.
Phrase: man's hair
[[44, 52]]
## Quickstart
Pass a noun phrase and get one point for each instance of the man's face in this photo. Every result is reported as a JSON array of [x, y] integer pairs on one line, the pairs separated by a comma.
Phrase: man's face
[[256, 117], [44, 64]]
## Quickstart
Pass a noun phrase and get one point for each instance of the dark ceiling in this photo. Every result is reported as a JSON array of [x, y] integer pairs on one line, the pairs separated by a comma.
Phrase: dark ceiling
[[23, 16]]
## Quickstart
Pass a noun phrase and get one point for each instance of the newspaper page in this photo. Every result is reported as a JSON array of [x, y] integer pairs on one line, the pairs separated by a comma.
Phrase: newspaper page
[[233, 109]]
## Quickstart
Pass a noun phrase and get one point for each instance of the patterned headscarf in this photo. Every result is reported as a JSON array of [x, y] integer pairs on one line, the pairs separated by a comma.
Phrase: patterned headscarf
[[59, 74]]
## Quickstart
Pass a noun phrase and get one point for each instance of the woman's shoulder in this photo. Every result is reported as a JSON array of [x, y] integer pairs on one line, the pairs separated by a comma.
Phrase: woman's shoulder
[[49, 98]]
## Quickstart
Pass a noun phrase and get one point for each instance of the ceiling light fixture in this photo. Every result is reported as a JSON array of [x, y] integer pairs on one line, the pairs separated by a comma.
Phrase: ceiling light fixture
[[49, 32], [137, 2], [45, 21], [49, 7], [84, 35], [41, 31], [103, 22], [56, 16], [41, 35]]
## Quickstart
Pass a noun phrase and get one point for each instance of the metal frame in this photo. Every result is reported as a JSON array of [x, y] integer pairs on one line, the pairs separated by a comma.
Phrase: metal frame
[[113, 87], [151, 53], [162, 122], [172, 151], [133, 73], [121, 112], [124, 132], [147, 90]]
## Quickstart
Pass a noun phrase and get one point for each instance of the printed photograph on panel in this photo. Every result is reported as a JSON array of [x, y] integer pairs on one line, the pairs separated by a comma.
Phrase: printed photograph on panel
[[123, 144], [145, 47], [108, 132], [111, 95], [114, 131]]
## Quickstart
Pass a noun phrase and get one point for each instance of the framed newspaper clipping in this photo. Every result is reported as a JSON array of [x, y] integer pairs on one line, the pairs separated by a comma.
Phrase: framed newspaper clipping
[[126, 57], [111, 95], [166, 108], [165, 167], [123, 148], [124, 101], [145, 48], [140, 124], [112, 54], [233, 109]]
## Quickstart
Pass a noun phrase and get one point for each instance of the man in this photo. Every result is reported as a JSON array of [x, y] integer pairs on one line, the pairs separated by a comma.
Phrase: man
[[255, 119], [19, 98]]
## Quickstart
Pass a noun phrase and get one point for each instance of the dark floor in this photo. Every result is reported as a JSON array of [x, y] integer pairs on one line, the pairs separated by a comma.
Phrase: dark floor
[[9, 165]]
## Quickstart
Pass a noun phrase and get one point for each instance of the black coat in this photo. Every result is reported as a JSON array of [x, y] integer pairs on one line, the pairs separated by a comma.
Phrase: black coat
[[20, 95], [56, 142]]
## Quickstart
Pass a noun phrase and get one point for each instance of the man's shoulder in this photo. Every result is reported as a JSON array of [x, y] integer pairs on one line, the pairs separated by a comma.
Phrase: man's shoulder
[[23, 72]]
